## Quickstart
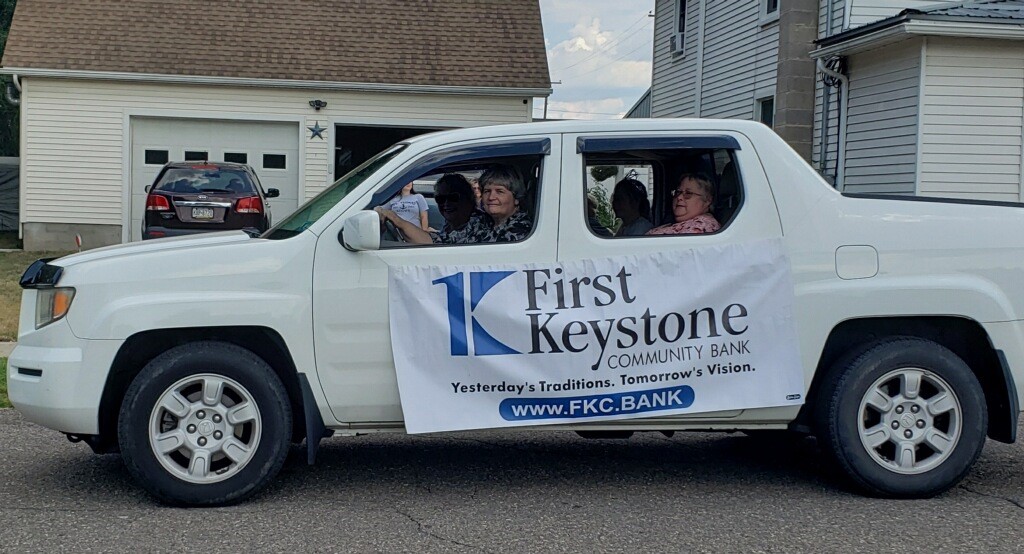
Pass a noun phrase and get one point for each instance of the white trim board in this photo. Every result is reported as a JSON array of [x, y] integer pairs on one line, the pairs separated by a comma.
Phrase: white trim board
[[922, 28], [271, 83]]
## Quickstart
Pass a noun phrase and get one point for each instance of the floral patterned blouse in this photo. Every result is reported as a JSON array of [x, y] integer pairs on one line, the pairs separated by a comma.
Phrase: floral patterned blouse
[[480, 228], [515, 229], [703, 223]]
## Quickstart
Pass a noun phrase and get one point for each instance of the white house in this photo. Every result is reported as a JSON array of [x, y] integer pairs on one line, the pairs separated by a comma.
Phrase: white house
[[930, 101], [899, 96], [303, 91]]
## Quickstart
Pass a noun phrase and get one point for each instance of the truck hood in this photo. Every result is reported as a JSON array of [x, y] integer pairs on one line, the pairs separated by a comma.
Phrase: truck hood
[[150, 246]]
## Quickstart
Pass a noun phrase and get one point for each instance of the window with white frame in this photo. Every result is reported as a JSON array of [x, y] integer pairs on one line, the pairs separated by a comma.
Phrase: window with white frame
[[769, 11], [679, 27]]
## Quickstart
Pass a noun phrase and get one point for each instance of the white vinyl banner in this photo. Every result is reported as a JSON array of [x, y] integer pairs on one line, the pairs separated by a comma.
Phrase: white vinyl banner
[[635, 336]]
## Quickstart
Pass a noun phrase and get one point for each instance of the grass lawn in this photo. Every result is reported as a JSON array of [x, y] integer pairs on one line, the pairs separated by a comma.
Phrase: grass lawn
[[12, 265], [4, 402]]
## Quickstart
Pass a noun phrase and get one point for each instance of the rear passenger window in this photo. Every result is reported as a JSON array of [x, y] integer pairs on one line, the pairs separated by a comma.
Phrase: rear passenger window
[[660, 187]]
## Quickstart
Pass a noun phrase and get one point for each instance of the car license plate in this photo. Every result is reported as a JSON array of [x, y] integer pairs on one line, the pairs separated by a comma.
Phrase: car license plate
[[202, 213]]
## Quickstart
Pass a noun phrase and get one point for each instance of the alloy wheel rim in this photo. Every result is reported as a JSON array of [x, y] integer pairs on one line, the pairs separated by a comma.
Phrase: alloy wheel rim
[[205, 428], [910, 420]]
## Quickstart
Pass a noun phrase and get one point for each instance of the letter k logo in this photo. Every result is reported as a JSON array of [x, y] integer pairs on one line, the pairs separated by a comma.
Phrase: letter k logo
[[479, 283]]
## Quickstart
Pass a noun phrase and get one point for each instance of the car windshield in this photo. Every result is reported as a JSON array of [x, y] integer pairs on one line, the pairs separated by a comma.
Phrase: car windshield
[[205, 179], [313, 210]]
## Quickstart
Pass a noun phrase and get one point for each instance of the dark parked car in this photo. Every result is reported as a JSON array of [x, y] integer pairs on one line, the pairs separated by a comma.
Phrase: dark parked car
[[199, 197]]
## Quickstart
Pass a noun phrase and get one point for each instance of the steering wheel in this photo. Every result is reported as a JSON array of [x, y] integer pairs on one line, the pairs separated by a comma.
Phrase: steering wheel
[[391, 232]]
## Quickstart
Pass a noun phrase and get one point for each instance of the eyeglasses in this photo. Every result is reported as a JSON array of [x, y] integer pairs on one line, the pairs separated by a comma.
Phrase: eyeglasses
[[443, 198], [686, 194]]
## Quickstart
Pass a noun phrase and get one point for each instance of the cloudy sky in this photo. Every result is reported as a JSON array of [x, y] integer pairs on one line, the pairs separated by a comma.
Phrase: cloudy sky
[[601, 52]]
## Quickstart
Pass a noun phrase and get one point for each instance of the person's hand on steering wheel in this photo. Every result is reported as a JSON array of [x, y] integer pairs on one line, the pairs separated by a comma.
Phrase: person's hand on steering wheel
[[388, 226]]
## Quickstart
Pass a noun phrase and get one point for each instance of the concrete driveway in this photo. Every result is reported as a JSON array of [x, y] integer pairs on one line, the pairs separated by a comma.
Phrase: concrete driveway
[[509, 492]]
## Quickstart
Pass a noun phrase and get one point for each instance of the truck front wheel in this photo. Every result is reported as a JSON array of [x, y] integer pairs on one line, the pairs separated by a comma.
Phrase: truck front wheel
[[906, 418], [205, 424]]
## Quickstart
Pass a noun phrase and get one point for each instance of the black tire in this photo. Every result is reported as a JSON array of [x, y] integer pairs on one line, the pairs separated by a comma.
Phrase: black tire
[[869, 468], [216, 360]]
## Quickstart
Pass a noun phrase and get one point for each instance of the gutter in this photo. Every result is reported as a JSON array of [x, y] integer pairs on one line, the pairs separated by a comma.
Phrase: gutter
[[905, 26], [844, 94], [272, 83]]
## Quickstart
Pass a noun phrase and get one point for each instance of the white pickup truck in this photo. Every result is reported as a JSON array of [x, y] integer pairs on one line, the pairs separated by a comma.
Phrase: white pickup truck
[[200, 359]]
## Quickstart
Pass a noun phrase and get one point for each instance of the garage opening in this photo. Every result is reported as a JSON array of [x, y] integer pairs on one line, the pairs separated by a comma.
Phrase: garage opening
[[354, 144]]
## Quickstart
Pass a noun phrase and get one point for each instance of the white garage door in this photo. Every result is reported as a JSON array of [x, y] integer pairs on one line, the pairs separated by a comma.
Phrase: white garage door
[[272, 149]]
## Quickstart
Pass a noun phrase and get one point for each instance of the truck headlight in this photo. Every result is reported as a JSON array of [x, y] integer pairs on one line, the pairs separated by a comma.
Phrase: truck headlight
[[52, 304]]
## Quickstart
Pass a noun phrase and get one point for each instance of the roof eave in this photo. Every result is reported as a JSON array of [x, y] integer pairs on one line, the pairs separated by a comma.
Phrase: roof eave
[[640, 100], [916, 26], [272, 83]]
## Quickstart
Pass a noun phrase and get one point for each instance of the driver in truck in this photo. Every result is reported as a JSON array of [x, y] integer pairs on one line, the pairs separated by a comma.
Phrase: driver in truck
[[503, 221]]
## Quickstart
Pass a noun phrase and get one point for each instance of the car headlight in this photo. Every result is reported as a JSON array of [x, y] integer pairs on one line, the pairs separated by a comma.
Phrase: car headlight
[[52, 304]]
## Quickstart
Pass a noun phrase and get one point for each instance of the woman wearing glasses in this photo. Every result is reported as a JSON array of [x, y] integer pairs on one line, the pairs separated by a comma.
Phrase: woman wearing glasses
[[691, 205]]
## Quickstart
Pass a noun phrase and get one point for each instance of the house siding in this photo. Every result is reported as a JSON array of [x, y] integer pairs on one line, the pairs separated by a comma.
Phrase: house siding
[[973, 119], [673, 77], [740, 59], [882, 125], [75, 133], [863, 12], [642, 107]]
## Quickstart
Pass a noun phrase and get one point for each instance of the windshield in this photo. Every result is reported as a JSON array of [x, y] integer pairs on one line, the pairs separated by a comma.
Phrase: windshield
[[313, 210], [203, 179]]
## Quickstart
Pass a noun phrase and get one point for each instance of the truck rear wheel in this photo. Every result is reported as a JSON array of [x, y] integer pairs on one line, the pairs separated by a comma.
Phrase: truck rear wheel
[[205, 424], [905, 418]]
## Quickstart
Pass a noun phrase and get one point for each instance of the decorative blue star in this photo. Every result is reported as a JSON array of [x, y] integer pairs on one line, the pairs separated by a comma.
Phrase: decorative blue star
[[317, 131]]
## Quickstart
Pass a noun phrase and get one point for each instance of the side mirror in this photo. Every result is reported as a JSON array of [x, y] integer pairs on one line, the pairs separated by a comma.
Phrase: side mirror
[[149, 188], [361, 231], [273, 193]]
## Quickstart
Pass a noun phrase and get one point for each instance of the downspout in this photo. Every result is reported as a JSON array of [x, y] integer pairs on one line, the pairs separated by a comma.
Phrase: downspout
[[844, 88], [698, 96], [826, 101], [13, 99]]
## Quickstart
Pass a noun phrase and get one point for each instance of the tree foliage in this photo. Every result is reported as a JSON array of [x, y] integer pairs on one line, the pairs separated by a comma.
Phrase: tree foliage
[[604, 214], [8, 113], [602, 172]]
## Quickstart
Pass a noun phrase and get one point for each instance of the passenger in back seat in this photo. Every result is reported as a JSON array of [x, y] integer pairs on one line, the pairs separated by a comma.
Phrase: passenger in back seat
[[691, 206], [631, 205]]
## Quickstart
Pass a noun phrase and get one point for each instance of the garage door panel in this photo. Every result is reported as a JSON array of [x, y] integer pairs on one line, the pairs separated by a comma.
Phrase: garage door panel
[[216, 138]]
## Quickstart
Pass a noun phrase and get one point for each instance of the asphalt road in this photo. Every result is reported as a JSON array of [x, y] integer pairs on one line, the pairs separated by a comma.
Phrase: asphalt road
[[509, 492]]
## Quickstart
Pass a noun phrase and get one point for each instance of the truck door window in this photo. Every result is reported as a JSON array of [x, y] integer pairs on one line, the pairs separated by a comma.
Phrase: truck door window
[[467, 202], [660, 189]]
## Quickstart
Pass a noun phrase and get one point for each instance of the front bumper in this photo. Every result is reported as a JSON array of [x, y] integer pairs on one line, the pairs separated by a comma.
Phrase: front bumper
[[56, 379]]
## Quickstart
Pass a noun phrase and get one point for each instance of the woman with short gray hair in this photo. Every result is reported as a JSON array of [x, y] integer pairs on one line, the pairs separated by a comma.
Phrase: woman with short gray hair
[[503, 190]]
